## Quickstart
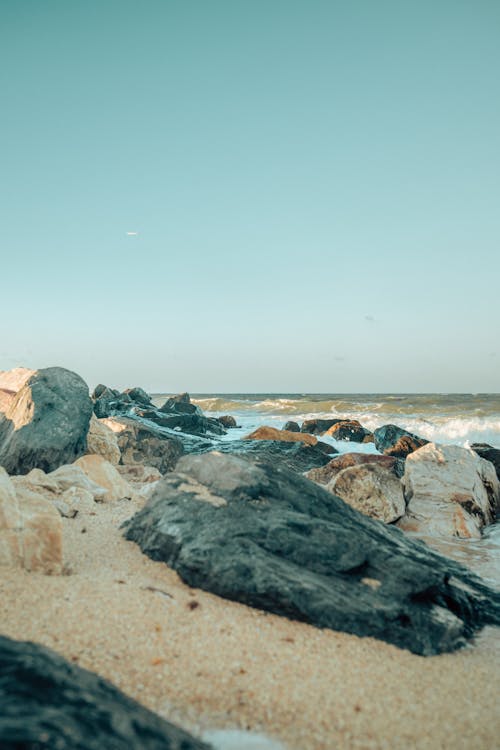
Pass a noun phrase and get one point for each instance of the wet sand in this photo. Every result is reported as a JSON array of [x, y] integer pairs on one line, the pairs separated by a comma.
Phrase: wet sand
[[205, 663]]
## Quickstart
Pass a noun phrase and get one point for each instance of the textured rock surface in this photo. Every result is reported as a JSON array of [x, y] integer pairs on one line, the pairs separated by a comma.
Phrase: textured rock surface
[[227, 421], [50, 704], [352, 430], [63, 480], [318, 426], [13, 380], [324, 474], [274, 540], [291, 426], [105, 475], [489, 454], [101, 440], [271, 433], [297, 457], [47, 422], [139, 443], [30, 529], [372, 489], [394, 441], [449, 490]]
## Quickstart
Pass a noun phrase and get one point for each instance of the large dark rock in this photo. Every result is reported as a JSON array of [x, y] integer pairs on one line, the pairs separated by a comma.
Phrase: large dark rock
[[394, 441], [194, 424], [291, 426], [180, 404], [138, 395], [352, 430], [489, 453], [227, 421], [271, 539], [318, 426], [294, 456], [49, 704], [46, 423]]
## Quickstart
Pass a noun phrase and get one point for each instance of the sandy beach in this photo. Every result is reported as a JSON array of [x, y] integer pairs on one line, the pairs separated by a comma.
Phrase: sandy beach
[[205, 663]]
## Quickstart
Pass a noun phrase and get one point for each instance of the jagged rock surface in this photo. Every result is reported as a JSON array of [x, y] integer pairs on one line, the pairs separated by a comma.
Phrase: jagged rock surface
[[50, 704], [394, 441], [294, 456], [271, 539], [46, 423]]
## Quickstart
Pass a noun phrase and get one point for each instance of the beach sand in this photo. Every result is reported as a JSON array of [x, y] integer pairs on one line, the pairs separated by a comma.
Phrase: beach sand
[[204, 662]]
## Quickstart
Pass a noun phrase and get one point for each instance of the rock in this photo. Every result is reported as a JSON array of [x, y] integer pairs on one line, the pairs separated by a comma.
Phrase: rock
[[139, 474], [65, 478], [326, 448], [47, 422], [180, 404], [6, 398], [297, 456], [271, 539], [325, 474], [449, 490], [141, 443], [489, 454], [14, 380], [101, 440], [105, 475], [372, 489], [30, 530], [394, 441], [50, 704], [318, 426], [138, 395], [194, 424], [291, 426], [352, 430], [271, 433], [227, 421]]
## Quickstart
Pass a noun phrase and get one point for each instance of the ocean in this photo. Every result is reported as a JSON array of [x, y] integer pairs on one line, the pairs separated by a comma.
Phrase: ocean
[[456, 418]]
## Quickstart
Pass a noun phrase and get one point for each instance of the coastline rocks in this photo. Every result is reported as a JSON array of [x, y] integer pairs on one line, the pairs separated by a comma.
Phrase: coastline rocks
[[274, 540], [6, 398], [325, 474], [489, 454], [139, 443], [297, 456], [449, 490], [30, 530], [180, 404], [227, 421], [372, 489], [394, 441], [105, 475], [318, 426], [65, 480], [193, 424], [138, 395], [49, 703], [46, 423], [271, 433], [102, 441], [291, 426], [352, 430]]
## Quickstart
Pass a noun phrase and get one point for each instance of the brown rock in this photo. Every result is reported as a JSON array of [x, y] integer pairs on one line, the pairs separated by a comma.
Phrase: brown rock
[[30, 530], [324, 474], [352, 430], [101, 440], [139, 443], [105, 475], [271, 433], [372, 489]]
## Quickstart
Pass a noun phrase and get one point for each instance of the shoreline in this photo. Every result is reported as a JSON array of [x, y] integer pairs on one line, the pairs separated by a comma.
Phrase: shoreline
[[209, 663]]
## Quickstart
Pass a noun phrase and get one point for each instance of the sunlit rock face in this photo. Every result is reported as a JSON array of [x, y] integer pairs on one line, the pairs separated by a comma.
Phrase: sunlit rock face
[[450, 491], [13, 380], [372, 489], [102, 440], [46, 423], [287, 436], [30, 529]]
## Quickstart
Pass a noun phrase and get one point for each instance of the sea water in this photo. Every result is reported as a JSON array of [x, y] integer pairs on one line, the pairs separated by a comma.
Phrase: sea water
[[448, 418]]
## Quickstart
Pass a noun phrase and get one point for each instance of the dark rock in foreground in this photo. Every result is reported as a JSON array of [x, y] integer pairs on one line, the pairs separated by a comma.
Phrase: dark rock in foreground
[[394, 441], [46, 423], [274, 540], [294, 456], [140, 443], [50, 704]]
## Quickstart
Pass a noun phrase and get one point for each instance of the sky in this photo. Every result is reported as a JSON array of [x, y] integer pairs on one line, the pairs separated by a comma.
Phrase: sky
[[259, 196]]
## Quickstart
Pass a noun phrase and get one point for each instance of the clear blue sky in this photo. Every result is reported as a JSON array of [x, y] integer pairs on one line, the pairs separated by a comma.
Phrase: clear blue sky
[[315, 187]]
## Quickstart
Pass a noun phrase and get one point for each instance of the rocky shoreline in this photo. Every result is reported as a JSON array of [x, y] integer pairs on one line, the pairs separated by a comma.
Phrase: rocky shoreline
[[274, 521]]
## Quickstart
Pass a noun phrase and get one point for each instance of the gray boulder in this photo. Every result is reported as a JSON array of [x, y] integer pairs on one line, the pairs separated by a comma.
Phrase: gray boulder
[[293, 456], [46, 423], [50, 704], [274, 540], [394, 441]]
